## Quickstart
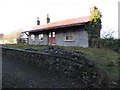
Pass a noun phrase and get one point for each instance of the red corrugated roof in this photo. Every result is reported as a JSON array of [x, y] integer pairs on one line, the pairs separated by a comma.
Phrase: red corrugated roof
[[64, 23]]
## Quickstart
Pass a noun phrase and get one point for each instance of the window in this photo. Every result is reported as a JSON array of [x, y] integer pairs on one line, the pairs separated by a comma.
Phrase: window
[[33, 37], [69, 36], [53, 33], [49, 34], [41, 37]]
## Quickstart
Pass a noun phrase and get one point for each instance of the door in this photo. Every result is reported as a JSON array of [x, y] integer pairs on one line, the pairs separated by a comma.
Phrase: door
[[51, 38]]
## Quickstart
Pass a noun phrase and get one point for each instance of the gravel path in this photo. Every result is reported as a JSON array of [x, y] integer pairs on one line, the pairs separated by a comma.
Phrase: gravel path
[[17, 74]]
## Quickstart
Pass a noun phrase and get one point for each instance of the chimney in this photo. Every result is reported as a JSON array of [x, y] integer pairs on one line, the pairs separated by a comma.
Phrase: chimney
[[38, 21], [48, 19]]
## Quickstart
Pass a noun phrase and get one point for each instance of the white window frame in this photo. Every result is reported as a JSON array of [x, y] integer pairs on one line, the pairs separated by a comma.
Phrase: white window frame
[[40, 36], [53, 34], [69, 35], [50, 35], [32, 37]]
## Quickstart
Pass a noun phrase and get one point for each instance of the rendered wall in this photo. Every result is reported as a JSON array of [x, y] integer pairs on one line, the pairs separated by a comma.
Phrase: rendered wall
[[37, 41], [80, 37]]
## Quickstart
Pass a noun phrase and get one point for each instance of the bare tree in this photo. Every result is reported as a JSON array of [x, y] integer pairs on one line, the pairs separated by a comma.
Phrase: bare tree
[[1, 36], [13, 35]]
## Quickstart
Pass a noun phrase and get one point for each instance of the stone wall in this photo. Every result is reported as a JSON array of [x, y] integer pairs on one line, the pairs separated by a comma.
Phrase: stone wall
[[81, 71]]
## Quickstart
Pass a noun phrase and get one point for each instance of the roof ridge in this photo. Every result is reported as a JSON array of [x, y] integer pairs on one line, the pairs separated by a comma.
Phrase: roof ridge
[[64, 20]]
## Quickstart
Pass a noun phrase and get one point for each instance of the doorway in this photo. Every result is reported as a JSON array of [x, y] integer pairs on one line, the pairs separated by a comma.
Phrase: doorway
[[51, 38]]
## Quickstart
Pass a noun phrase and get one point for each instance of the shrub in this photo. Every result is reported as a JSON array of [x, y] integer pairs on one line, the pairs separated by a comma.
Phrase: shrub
[[110, 43]]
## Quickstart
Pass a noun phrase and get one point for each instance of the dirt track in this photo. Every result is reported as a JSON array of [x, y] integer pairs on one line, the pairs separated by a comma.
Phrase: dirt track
[[17, 74]]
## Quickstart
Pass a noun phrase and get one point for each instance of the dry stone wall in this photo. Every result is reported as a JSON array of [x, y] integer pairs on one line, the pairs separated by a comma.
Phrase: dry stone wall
[[64, 63]]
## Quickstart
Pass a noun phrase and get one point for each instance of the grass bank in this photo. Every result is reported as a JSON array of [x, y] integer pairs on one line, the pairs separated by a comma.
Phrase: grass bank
[[106, 60]]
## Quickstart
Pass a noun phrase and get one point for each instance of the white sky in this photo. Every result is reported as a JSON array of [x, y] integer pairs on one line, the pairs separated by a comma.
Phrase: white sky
[[17, 14]]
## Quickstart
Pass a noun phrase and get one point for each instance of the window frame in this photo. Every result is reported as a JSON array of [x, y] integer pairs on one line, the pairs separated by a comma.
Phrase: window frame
[[32, 37], [53, 34], [69, 35], [40, 37]]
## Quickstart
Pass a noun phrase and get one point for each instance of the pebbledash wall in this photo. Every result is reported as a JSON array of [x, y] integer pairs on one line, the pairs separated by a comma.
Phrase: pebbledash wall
[[80, 36], [36, 40]]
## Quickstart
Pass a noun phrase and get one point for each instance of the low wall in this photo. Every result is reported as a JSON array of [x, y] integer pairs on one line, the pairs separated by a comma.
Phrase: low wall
[[78, 70]]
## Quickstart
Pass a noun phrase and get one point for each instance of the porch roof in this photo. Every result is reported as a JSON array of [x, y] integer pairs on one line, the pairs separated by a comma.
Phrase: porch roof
[[61, 24]]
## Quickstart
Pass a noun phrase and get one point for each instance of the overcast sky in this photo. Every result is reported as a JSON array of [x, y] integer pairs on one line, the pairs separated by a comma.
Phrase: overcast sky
[[17, 14]]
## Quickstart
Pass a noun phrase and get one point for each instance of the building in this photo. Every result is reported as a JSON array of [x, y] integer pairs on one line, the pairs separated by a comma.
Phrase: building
[[71, 32], [23, 38]]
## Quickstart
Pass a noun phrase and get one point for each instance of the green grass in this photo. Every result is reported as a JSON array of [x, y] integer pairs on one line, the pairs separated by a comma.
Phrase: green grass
[[106, 60], [23, 46]]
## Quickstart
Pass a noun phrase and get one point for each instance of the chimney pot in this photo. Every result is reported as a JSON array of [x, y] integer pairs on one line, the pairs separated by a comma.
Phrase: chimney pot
[[48, 19], [38, 21]]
